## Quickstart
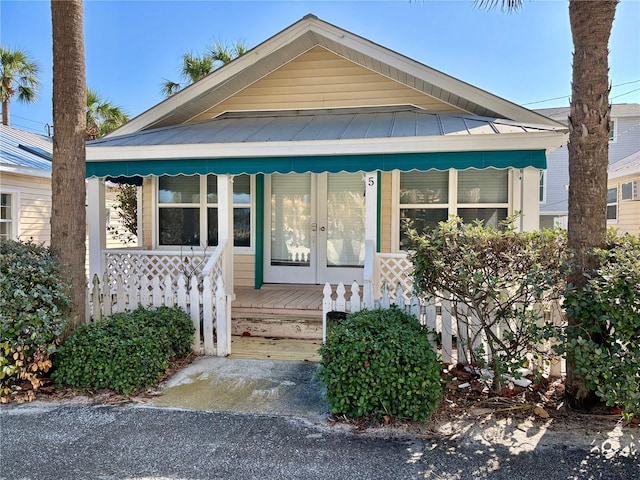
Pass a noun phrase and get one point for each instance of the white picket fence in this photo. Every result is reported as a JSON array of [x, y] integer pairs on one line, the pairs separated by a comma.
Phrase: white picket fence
[[444, 319], [203, 297]]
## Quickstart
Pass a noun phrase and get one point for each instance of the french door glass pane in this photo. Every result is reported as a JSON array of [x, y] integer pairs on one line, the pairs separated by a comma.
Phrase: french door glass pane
[[422, 220], [345, 220], [424, 187], [179, 226], [483, 186], [179, 189], [291, 219]]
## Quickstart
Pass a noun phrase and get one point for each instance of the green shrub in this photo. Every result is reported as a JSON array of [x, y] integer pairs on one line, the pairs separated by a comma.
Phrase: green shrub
[[33, 309], [492, 276], [380, 362], [127, 352], [610, 303]]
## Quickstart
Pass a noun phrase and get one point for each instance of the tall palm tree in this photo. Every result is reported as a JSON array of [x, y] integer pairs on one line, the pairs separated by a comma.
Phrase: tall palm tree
[[591, 23], [18, 75], [68, 215], [102, 116], [195, 67]]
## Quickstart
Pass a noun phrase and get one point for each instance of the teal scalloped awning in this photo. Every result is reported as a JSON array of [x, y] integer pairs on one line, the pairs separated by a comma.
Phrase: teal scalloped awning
[[320, 164]]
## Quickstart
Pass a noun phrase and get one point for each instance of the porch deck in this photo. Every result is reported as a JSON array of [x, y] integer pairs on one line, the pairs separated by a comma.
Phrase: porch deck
[[278, 311]]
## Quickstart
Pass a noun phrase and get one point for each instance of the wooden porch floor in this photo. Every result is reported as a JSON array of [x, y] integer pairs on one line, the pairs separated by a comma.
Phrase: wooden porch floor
[[280, 297]]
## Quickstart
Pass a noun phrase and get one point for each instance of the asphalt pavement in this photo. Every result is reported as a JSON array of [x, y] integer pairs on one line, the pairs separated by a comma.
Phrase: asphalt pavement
[[286, 435]]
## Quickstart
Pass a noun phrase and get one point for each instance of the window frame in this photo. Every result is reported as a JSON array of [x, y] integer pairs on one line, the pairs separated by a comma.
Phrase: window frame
[[543, 187], [613, 130], [613, 204], [15, 212], [452, 205], [204, 205]]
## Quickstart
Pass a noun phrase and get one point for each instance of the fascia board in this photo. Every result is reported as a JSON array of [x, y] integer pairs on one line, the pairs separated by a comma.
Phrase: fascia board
[[31, 172], [453, 143]]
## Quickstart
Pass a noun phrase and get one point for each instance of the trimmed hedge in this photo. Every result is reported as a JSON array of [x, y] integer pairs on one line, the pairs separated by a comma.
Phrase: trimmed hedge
[[380, 362], [125, 353]]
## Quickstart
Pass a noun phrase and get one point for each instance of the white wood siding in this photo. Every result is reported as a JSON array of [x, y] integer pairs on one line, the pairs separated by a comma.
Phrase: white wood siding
[[244, 270], [34, 208], [322, 79]]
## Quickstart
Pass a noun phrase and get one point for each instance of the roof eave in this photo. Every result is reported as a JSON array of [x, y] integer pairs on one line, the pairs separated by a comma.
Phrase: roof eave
[[452, 143]]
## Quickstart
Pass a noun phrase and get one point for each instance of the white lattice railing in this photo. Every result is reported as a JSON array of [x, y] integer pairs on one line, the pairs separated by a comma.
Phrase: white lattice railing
[[394, 269], [153, 263]]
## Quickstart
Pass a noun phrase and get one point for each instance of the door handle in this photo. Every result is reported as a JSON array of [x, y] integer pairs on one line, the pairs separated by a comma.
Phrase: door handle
[[322, 229]]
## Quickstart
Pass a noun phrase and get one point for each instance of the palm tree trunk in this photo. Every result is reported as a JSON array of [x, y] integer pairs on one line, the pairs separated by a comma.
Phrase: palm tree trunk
[[591, 23], [68, 215], [5, 112]]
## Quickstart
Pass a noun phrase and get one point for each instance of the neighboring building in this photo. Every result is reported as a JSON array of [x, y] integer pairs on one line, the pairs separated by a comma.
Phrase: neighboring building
[[624, 140], [623, 195], [25, 189], [25, 185]]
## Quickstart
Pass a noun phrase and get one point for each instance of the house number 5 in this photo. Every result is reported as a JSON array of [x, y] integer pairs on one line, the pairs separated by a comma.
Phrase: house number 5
[[371, 182]]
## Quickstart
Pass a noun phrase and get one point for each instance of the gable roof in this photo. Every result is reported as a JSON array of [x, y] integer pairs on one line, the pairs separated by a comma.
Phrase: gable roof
[[25, 152], [302, 36]]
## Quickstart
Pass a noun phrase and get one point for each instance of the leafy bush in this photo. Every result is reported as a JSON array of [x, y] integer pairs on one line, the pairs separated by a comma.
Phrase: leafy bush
[[380, 362], [610, 303], [33, 308], [492, 276], [127, 352]]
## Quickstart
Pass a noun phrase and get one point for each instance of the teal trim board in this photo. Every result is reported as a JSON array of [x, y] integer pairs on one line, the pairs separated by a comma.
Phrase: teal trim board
[[259, 232], [319, 164]]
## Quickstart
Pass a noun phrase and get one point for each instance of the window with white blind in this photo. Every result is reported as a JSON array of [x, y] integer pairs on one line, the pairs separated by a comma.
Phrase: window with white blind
[[427, 198], [188, 205]]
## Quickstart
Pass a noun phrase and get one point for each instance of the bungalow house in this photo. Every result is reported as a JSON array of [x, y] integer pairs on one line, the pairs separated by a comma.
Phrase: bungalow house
[[299, 162], [25, 185]]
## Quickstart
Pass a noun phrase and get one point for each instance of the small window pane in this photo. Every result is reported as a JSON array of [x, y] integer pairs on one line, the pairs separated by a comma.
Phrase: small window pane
[[242, 227], [179, 226], [212, 189], [180, 189], [212, 225], [490, 216], [424, 187], [422, 219], [242, 189], [612, 195], [483, 186], [612, 212]]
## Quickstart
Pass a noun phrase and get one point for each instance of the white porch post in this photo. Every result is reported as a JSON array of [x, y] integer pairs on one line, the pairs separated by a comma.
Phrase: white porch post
[[96, 226], [526, 198], [225, 233], [370, 235]]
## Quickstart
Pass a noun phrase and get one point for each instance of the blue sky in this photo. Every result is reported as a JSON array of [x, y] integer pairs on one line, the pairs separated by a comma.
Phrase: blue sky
[[131, 46]]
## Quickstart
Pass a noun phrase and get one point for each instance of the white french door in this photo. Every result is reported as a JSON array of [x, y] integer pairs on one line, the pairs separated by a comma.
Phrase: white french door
[[314, 228]]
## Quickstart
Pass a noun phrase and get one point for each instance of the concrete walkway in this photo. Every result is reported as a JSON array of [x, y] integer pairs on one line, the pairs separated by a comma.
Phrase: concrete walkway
[[274, 387]]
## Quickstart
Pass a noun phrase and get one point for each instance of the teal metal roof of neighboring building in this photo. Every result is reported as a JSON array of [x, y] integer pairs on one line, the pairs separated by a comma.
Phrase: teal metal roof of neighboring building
[[317, 125]]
